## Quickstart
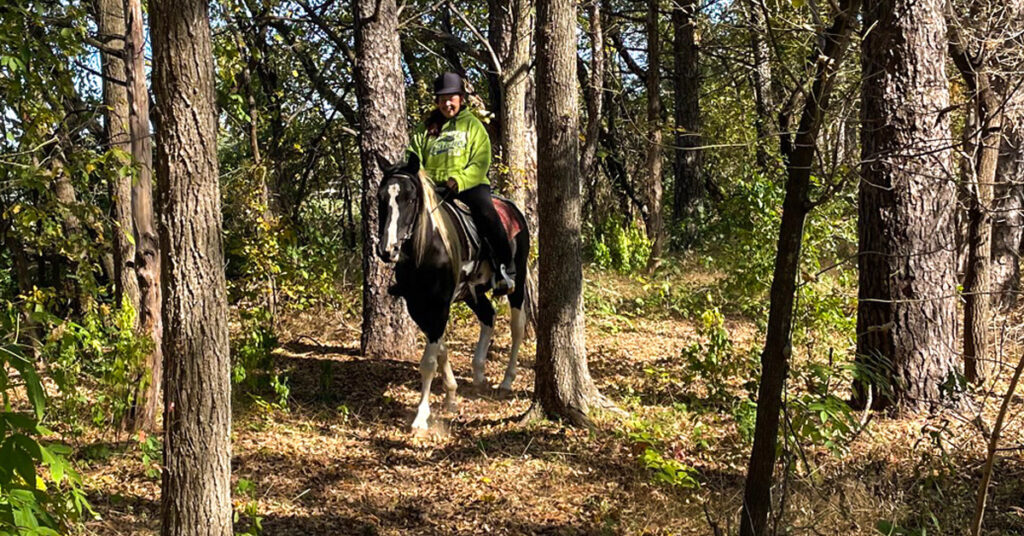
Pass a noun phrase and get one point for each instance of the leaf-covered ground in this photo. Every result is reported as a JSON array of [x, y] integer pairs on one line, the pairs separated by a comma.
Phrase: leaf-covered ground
[[340, 460]]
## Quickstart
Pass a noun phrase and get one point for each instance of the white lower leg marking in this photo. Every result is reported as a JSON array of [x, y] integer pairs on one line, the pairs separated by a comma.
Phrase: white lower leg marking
[[428, 366], [518, 327], [393, 220], [480, 355]]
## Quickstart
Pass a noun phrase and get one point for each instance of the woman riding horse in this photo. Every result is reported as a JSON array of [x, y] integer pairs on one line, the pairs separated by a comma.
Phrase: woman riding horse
[[455, 151]]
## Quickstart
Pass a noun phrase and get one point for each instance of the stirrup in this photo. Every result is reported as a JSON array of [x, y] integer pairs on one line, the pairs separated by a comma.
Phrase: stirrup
[[503, 283]]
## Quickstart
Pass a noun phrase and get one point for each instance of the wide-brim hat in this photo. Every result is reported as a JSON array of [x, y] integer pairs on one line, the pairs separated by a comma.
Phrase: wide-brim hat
[[449, 83]]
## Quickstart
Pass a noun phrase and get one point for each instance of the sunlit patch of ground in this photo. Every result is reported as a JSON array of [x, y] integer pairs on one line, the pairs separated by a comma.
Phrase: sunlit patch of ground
[[341, 459]]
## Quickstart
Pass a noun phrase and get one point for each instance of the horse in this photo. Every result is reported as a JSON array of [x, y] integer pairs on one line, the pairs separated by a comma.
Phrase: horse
[[438, 260]]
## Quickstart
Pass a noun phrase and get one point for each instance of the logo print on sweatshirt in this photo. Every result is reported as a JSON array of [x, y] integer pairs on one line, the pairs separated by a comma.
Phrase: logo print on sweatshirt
[[451, 142]]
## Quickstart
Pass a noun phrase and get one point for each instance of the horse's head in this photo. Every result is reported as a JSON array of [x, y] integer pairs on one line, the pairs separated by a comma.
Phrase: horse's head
[[398, 203]]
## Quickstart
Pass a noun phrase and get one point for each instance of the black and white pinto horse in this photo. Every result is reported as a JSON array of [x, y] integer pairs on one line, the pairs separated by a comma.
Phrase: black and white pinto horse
[[439, 260]]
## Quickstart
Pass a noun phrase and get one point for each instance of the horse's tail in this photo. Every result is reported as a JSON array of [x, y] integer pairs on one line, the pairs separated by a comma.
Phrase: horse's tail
[[530, 300]]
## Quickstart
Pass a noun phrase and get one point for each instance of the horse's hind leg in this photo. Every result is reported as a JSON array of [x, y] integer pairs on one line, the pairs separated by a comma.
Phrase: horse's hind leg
[[428, 367], [515, 301], [518, 328], [450, 386], [484, 311]]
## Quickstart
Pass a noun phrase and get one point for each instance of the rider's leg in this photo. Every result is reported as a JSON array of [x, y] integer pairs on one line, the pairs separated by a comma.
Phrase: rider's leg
[[478, 199]]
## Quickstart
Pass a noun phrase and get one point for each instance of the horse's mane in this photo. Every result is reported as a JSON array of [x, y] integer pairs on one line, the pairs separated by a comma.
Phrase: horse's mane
[[430, 220]]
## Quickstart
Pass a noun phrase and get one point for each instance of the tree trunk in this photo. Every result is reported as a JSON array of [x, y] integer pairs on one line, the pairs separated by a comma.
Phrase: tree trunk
[[387, 329], [594, 93], [761, 81], [147, 253], [110, 18], [196, 490], [906, 316], [1008, 210], [987, 140], [757, 501], [510, 34], [689, 187], [563, 385], [655, 224]]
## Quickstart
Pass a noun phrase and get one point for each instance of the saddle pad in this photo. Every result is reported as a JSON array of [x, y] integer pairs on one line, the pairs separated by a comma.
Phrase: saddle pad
[[509, 217]]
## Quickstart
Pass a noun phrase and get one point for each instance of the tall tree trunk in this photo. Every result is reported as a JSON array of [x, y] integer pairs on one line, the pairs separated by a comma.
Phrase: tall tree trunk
[[689, 187], [387, 329], [147, 252], [196, 490], [594, 94], [655, 224], [510, 35], [757, 501], [761, 81], [563, 384], [1008, 217], [906, 315], [110, 18], [988, 138]]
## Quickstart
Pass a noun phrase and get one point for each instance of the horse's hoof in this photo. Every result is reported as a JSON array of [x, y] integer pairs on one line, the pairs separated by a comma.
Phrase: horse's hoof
[[420, 433]]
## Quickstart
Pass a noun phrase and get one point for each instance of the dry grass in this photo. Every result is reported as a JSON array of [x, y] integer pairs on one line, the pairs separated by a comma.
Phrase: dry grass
[[340, 460]]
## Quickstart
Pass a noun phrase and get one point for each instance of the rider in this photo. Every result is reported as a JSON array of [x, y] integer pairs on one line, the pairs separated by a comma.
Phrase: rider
[[455, 151]]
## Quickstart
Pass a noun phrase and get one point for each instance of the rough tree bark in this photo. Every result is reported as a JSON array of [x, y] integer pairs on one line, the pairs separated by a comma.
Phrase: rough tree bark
[[688, 193], [906, 315], [147, 246], [799, 156], [196, 490], [1008, 213], [563, 384], [197, 483], [594, 94], [110, 18], [387, 329], [655, 223], [987, 140]]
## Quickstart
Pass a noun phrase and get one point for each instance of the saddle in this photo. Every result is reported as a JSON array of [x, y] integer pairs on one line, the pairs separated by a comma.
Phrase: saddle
[[469, 237]]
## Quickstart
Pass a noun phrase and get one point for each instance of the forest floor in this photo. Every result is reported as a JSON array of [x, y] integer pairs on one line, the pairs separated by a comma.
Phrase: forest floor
[[339, 459]]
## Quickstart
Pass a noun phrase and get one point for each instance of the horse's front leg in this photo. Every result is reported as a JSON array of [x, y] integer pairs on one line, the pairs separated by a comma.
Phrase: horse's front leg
[[484, 311], [428, 367]]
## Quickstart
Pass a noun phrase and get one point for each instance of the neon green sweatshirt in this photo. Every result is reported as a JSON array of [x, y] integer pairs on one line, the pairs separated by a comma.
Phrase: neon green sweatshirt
[[461, 151]]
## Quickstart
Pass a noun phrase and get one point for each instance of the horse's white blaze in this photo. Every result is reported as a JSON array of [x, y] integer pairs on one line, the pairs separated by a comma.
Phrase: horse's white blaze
[[428, 366], [518, 327], [393, 191], [480, 355]]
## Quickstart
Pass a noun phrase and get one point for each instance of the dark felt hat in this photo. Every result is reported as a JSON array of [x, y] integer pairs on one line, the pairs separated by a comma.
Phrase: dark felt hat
[[449, 83]]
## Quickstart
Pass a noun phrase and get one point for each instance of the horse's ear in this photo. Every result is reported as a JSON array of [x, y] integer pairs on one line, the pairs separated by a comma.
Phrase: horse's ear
[[413, 164], [382, 162]]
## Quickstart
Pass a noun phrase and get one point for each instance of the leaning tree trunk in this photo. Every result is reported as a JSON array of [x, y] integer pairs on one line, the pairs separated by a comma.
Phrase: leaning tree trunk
[[906, 315], [563, 384], [387, 329], [196, 490], [655, 223], [978, 365], [110, 18], [757, 499], [147, 252], [688, 194]]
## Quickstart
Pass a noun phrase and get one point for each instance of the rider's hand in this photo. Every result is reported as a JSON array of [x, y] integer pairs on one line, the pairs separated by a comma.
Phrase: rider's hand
[[452, 186]]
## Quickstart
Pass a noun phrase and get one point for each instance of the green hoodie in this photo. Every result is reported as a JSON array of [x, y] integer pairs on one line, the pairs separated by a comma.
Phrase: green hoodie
[[461, 151]]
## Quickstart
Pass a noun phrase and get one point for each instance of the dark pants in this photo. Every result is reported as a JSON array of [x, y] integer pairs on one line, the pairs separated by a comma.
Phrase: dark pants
[[488, 224]]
